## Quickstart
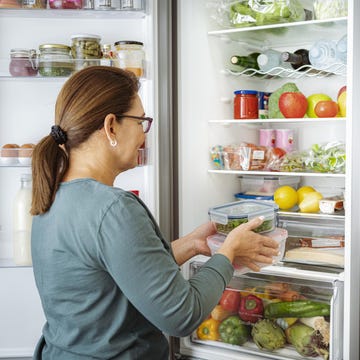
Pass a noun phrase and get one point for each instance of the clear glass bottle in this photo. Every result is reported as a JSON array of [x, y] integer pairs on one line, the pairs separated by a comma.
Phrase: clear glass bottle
[[270, 62], [130, 56], [22, 222], [55, 60], [23, 62]]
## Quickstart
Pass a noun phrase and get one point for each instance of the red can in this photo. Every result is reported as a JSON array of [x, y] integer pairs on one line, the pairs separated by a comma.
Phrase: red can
[[246, 104]]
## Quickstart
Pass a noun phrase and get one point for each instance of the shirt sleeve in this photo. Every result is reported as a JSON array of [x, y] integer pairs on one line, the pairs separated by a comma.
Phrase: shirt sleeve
[[139, 260]]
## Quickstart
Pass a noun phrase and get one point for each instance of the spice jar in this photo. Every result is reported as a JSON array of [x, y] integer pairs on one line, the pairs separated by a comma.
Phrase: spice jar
[[23, 62], [55, 60], [246, 104], [131, 56], [86, 50]]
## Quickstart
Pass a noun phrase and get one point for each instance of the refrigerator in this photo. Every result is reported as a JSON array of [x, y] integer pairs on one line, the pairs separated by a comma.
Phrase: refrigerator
[[205, 120], [188, 89], [27, 114]]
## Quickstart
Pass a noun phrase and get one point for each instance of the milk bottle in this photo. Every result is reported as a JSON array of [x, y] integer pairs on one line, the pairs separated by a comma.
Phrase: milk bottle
[[22, 221]]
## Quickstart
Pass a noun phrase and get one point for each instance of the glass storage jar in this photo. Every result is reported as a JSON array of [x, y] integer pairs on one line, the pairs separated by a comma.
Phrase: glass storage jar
[[23, 62], [130, 56], [55, 60], [246, 104], [86, 50], [33, 4], [72, 4]]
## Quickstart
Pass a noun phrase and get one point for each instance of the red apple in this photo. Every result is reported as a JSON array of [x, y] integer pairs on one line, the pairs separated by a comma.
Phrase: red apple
[[326, 108], [293, 104], [342, 89]]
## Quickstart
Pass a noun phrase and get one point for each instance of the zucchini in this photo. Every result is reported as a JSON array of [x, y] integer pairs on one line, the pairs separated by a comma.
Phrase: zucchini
[[297, 309]]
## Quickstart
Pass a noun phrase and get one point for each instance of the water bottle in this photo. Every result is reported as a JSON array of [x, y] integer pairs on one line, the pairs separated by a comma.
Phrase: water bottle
[[323, 54], [271, 59], [22, 221], [341, 48]]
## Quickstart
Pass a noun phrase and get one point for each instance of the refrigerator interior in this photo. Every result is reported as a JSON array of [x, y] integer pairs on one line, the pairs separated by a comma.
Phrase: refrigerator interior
[[26, 115], [205, 119]]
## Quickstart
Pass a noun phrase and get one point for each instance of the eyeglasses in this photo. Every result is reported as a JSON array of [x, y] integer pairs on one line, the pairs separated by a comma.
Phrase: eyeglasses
[[145, 121]]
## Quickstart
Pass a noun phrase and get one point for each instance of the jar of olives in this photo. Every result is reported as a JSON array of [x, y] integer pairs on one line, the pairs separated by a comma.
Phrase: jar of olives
[[55, 60], [86, 50], [23, 62]]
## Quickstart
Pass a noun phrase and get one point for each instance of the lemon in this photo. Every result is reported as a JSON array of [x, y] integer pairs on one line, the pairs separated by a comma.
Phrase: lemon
[[310, 204], [285, 197], [302, 191]]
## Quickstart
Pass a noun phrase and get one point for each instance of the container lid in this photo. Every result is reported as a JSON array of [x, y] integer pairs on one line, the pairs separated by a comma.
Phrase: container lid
[[18, 52], [242, 209], [253, 197], [86, 36], [128, 42], [54, 46], [245, 92]]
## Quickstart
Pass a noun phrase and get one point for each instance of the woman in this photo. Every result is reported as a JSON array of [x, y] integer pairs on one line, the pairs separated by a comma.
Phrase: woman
[[109, 282]]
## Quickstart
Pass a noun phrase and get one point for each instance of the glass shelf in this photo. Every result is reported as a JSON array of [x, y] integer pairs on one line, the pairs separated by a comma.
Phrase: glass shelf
[[69, 13]]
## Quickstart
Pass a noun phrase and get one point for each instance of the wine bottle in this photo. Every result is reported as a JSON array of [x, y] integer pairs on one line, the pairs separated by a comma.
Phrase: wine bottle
[[297, 59], [247, 62]]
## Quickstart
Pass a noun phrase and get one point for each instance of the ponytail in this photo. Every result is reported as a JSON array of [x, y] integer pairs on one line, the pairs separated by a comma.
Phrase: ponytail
[[49, 164]]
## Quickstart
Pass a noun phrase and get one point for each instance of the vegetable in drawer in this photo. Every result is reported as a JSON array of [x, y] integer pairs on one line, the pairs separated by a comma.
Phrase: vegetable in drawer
[[297, 308]]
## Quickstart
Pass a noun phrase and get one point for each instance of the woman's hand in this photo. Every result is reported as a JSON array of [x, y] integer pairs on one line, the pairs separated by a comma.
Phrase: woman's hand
[[193, 244], [245, 247]]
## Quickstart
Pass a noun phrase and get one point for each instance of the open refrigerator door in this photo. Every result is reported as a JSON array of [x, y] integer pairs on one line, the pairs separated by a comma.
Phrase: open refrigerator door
[[226, 156]]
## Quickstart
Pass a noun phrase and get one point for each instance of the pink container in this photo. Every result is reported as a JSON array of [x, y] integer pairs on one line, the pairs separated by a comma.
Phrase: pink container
[[284, 138], [267, 137]]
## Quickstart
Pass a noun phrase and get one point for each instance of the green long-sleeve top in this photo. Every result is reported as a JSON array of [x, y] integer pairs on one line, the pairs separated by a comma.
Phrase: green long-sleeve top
[[108, 281]]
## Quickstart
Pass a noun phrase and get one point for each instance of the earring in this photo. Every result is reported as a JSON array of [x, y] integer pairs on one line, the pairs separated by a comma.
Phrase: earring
[[113, 143]]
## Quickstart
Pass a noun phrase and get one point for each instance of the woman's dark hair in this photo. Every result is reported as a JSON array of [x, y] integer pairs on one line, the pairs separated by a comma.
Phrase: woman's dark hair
[[81, 107]]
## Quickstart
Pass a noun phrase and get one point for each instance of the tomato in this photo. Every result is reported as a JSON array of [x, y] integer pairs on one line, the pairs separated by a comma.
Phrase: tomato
[[326, 108], [230, 300], [293, 104]]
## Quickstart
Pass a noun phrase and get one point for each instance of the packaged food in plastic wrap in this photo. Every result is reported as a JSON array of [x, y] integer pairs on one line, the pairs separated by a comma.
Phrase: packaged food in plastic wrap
[[329, 9], [325, 158], [243, 13]]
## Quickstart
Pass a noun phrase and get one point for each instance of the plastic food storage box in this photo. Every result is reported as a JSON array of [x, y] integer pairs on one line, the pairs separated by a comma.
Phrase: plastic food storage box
[[280, 235], [228, 216], [266, 185]]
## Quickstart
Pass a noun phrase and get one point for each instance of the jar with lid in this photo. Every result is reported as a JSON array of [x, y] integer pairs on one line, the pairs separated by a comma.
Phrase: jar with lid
[[86, 50], [72, 4], [130, 56], [246, 104], [131, 4], [22, 221], [55, 60], [107, 58], [33, 4], [23, 62], [102, 5]]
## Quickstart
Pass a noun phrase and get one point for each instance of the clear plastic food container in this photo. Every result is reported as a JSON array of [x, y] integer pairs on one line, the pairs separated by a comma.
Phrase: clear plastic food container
[[266, 185], [280, 235], [228, 216]]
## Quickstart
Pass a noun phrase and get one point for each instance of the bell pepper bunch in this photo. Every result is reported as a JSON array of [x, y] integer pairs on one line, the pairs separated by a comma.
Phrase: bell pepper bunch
[[271, 316]]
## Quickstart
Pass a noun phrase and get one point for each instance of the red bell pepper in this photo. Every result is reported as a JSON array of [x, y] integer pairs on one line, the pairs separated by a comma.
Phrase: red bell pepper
[[251, 308], [230, 300]]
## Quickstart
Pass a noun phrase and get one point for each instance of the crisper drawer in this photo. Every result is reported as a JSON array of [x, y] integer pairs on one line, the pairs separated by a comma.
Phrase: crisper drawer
[[273, 314], [314, 241]]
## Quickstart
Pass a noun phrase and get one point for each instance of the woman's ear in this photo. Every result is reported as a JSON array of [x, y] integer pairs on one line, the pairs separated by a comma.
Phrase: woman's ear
[[109, 127]]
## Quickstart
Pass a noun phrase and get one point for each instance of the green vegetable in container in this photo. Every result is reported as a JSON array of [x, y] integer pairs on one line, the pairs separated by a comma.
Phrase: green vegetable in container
[[268, 336], [297, 308], [233, 331]]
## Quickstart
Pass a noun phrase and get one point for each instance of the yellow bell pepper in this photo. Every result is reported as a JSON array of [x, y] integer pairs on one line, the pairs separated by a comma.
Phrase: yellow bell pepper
[[208, 330]]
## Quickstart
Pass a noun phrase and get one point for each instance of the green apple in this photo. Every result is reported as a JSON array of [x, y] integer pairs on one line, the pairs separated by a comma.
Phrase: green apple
[[312, 101]]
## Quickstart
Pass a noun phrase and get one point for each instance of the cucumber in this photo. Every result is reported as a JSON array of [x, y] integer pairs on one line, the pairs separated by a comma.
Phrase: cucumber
[[297, 309]]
